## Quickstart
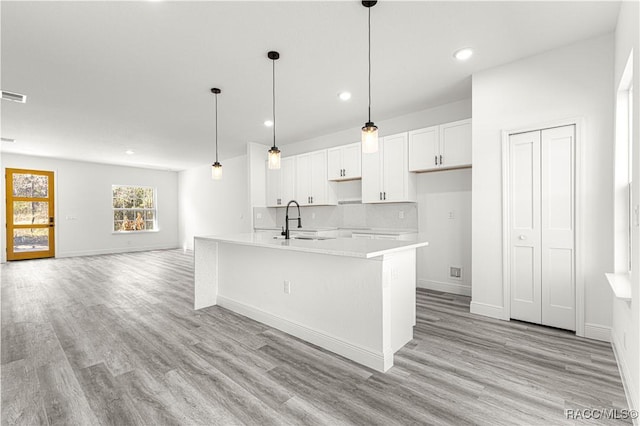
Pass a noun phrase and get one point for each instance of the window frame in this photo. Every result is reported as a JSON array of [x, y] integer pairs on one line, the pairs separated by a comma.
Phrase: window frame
[[154, 210]]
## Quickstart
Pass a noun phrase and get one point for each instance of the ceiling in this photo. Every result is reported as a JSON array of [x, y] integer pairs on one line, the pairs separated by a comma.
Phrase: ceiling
[[105, 77]]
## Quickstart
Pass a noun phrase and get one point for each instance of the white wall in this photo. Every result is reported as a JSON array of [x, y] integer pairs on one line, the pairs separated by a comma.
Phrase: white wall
[[626, 316], [444, 215], [453, 111], [83, 191], [567, 82], [210, 207]]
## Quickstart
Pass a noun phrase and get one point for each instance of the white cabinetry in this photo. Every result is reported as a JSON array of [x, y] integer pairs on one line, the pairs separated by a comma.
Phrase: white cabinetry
[[344, 162], [312, 184], [447, 146], [385, 173], [280, 183]]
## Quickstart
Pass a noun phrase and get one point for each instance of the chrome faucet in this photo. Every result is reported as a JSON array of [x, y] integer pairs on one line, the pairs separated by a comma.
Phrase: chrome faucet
[[286, 219]]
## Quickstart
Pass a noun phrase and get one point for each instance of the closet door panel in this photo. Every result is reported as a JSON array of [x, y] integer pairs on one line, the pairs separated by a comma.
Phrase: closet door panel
[[524, 211], [558, 223]]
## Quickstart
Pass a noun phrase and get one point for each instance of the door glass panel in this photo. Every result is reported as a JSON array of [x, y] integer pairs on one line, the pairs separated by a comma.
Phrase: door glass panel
[[30, 186], [30, 212], [30, 239]]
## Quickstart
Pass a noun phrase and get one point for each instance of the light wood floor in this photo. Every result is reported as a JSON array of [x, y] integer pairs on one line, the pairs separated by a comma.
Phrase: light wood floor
[[114, 340]]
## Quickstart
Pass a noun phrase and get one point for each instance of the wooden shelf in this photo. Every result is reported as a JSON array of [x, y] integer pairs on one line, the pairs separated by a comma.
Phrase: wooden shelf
[[621, 285]]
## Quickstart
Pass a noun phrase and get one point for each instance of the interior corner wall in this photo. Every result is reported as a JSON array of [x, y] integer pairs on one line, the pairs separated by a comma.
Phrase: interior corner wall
[[626, 315], [83, 205], [208, 207], [568, 82]]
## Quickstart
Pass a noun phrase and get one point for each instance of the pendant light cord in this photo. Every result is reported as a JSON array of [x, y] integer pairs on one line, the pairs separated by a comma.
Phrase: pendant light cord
[[216, 127], [273, 74], [369, 63]]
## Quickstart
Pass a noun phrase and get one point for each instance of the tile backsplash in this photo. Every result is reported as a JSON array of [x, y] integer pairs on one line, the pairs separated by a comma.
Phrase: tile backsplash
[[356, 215]]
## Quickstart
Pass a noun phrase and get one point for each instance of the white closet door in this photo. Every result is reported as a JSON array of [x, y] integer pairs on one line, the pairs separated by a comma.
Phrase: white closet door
[[524, 209], [558, 270]]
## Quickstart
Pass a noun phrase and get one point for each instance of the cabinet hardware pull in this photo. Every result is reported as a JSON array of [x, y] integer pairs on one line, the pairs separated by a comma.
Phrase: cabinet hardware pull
[[436, 160], [441, 160], [384, 195], [381, 195]]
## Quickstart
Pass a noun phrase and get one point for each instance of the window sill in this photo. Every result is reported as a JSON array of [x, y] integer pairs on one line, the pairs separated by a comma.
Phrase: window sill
[[621, 286], [134, 232]]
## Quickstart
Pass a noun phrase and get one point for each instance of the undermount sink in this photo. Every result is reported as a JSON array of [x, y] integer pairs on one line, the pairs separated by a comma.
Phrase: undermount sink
[[303, 237]]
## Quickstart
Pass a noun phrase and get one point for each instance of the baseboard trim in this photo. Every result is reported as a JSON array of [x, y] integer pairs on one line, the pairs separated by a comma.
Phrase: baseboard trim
[[484, 309], [597, 332], [380, 361], [453, 288], [113, 251], [627, 381]]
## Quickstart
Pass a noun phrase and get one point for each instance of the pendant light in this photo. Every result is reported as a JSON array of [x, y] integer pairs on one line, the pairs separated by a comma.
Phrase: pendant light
[[274, 152], [370, 130], [216, 168]]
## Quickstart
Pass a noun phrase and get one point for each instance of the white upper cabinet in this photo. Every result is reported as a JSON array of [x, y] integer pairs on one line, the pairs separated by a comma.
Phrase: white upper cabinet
[[385, 173], [274, 186], [280, 183], [446, 146], [344, 162], [312, 184]]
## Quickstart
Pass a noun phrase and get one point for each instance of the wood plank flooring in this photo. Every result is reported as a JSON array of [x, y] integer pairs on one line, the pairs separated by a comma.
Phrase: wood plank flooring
[[114, 340]]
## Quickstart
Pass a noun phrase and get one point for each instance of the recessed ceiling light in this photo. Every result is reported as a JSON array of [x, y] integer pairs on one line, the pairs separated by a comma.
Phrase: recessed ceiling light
[[463, 54], [268, 123], [129, 152], [344, 96]]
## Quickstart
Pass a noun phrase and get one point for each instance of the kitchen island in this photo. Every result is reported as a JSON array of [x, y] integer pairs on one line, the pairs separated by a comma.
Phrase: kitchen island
[[354, 297]]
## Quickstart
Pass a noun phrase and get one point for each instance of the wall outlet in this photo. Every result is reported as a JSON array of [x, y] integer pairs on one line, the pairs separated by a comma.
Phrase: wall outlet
[[455, 272], [287, 287], [258, 215], [452, 215], [401, 214]]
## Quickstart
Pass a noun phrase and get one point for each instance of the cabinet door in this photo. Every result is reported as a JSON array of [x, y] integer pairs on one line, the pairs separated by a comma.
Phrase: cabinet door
[[351, 161], [424, 149], [303, 179], [273, 187], [395, 169], [318, 177], [455, 144], [372, 176], [288, 179], [334, 163]]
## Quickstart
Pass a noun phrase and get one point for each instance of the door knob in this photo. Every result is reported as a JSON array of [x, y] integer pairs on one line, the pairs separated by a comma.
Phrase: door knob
[[522, 237]]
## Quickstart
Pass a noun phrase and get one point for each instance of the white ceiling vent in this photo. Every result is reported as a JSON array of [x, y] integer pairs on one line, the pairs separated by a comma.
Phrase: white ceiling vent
[[8, 140], [16, 97]]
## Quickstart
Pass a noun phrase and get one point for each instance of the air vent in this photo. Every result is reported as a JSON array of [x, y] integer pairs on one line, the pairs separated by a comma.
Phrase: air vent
[[15, 97], [455, 272], [8, 140]]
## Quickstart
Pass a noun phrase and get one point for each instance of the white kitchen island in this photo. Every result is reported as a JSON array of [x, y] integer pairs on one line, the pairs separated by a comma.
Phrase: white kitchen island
[[350, 296]]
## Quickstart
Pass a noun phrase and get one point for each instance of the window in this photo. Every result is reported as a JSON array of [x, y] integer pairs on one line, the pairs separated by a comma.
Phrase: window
[[624, 164], [134, 208]]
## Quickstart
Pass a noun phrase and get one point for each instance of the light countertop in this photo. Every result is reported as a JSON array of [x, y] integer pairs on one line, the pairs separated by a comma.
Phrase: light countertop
[[350, 247]]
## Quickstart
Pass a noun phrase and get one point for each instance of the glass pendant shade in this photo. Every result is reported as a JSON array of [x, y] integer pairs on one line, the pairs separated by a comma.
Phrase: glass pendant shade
[[216, 171], [369, 138], [274, 158]]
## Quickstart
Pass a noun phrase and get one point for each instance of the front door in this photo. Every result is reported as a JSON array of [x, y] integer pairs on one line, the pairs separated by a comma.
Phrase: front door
[[30, 214]]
